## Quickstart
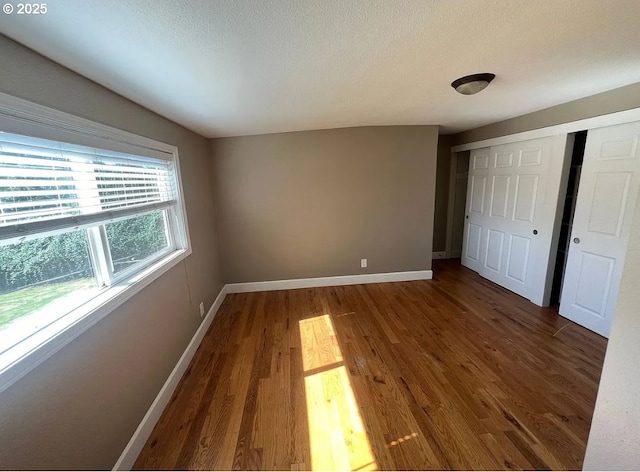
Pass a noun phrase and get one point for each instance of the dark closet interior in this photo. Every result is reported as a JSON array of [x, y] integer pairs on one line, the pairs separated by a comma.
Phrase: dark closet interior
[[567, 216]]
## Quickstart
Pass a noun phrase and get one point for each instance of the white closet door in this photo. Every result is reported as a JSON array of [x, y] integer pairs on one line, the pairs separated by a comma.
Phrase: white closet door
[[509, 238], [606, 201], [475, 217]]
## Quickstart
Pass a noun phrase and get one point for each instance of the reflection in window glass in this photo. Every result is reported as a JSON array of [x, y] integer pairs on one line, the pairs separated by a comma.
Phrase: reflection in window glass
[[134, 239]]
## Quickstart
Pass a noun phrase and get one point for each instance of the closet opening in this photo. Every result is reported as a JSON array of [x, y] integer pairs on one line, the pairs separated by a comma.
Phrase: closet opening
[[577, 157]]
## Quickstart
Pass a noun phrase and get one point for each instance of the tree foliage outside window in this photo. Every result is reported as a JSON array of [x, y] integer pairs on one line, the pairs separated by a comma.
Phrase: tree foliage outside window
[[65, 257], [135, 239], [54, 257]]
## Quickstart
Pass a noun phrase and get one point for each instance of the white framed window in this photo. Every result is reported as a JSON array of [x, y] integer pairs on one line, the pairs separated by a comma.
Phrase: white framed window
[[89, 215]]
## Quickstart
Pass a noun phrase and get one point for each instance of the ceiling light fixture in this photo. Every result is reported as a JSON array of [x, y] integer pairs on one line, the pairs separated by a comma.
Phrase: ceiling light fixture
[[471, 84]]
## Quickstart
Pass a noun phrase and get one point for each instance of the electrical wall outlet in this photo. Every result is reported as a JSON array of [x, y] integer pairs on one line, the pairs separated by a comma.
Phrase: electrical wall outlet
[[363, 263], [201, 308]]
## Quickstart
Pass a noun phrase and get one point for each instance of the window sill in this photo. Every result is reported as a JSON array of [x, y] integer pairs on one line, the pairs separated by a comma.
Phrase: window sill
[[31, 352]]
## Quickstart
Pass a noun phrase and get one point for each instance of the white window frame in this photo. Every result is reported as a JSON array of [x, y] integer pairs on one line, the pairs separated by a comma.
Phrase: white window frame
[[22, 117]]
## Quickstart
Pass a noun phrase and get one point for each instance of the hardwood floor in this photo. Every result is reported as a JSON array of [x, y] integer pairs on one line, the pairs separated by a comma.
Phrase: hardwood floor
[[451, 373]]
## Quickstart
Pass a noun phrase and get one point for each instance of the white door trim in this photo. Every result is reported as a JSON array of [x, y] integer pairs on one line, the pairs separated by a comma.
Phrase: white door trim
[[619, 117]]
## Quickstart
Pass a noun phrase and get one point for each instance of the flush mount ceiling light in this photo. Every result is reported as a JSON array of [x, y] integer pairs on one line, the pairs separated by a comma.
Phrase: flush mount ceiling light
[[471, 84]]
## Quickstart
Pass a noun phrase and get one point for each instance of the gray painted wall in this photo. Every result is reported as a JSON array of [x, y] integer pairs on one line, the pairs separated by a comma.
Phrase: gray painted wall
[[79, 408], [614, 440], [313, 203], [623, 98], [442, 194], [459, 202]]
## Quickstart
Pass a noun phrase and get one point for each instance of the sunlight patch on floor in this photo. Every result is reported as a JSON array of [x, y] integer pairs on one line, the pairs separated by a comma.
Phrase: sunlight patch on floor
[[319, 343], [402, 439], [338, 440]]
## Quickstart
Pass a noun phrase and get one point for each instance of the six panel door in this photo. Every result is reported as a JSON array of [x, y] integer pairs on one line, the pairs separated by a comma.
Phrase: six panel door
[[475, 216], [605, 205], [509, 235]]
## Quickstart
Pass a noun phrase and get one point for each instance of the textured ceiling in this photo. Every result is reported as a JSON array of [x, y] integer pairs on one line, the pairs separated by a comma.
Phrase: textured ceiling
[[225, 68]]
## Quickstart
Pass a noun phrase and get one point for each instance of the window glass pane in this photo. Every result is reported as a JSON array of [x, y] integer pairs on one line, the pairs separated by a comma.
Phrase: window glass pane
[[134, 239], [42, 280]]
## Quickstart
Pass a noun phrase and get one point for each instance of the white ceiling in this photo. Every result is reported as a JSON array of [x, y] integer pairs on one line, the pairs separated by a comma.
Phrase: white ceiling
[[225, 68]]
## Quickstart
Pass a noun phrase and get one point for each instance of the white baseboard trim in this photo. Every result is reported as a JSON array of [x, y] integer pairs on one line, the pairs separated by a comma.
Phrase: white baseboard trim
[[145, 428], [329, 281], [439, 255]]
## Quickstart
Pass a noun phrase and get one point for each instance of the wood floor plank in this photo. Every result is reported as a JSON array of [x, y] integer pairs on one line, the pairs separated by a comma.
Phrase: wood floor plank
[[450, 373], [505, 452]]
